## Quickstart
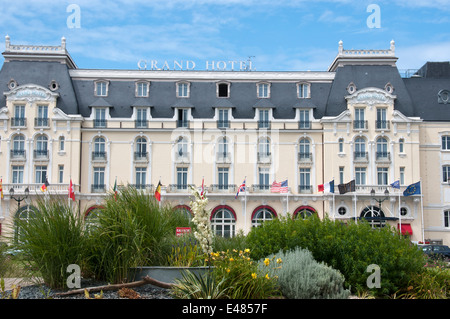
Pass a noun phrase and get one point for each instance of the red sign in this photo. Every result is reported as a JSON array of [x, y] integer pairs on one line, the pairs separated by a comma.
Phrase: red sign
[[182, 230]]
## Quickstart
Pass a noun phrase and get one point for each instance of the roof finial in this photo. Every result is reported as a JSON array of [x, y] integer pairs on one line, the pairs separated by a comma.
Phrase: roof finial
[[63, 43], [341, 47], [7, 42], [392, 46]]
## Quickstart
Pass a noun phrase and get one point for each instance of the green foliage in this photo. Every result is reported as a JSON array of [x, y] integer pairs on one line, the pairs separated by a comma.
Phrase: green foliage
[[197, 286], [186, 252], [241, 274], [349, 248], [52, 239], [238, 242], [432, 283], [301, 277]]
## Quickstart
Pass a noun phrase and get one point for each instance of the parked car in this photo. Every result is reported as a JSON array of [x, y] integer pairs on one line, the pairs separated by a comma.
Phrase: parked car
[[436, 251]]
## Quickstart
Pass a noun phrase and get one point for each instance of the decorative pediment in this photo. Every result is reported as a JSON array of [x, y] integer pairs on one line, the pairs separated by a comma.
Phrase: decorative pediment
[[371, 96], [31, 93]]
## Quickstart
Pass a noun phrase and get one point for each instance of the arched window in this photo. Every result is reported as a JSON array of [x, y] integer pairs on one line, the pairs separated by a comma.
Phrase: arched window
[[382, 148], [41, 146], [261, 214], [99, 148], [360, 148], [141, 148], [264, 147], [304, 212], [91, 218], [25, 214], [184, 210], [374, 216], [223, 221], [304, 150], [18, 146], [182, 147]]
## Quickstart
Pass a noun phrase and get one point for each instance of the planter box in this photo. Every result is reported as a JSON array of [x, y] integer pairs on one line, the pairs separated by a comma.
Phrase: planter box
[[166, 274]]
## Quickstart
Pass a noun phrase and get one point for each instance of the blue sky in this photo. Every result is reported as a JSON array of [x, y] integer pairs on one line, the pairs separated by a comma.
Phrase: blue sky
[[279, 35]]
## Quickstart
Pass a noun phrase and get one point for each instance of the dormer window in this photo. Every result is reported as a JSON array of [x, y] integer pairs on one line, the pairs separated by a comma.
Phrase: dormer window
[[183, 89], [101, 88], [142, 89], [223, 90], [303, 90], [263, 90]]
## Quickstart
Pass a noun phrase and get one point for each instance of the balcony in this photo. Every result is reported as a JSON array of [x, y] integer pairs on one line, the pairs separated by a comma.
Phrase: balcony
[[223, 157], [361, 157], [304, 189], [141, 124], [223, 124], [18, 154], [382, 125], [41, 154], [141, 156], [178, 188], [264, 157], [304, 157], [147, 188], [182, 123], [41, 122], [304, 125], [18, 122], [260, 188], [360, 125], [383, 156], [182, 157], [98, 188], [99, 156], [222, 188], [263, 124], [100, 123]]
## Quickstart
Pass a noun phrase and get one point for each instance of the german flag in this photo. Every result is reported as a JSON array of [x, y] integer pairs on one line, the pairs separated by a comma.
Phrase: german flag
[[158, 192], [44, 186]]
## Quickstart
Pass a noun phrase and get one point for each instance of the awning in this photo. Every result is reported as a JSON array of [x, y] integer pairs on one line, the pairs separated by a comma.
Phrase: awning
[[405, 229]]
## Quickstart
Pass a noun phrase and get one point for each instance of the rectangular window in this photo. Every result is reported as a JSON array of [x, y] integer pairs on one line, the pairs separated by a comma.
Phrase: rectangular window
[[100, 89], [446, 142], [264, 178], [99, 179], [40, 174], [141, 118], [303, 90], [142, 89], [223, 119], [263, 90], [141, 175], [60, 174], [304, 119], [263, 119], [360, 122], [341, 175], [447, 218], [183, 118], [182, 177], [100, 118], [61, 143], [222, 90], [183, 90], [223, 177], [19, 116], [360, 176], [445, 173], [305, 180], [381, 119], [17, 174], [402, 176], [42, 116], [382, 175]]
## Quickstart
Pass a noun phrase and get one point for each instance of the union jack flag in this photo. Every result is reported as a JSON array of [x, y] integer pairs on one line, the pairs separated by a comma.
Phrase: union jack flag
[[241, 188]]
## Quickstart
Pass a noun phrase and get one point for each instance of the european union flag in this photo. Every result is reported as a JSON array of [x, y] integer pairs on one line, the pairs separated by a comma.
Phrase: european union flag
[[412, 189], [396, 184]]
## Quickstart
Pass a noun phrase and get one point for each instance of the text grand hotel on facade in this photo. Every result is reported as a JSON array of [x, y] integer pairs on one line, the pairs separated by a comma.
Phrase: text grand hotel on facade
[[358, 121]]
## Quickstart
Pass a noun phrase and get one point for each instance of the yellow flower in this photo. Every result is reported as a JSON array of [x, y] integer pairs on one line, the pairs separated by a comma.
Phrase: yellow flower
[[267, 276], [266, 261], [279, 261], [231, 259], [247, 250], [254, 275], [228, 269]]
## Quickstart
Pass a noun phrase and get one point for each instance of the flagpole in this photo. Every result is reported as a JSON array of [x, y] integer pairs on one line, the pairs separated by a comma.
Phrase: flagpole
[[287, 199], [421, 203], [399, 209], [245, 205]]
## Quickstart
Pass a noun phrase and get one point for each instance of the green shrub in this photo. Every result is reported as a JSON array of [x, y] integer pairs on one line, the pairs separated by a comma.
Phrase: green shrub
[[432, 283], [52, 240], [301, 277], [349, 248], [196, 286]]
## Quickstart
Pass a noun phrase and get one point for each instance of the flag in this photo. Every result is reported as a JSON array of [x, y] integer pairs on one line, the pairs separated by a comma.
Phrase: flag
[[71, 192], [396, 184], [345, 188], [412, 189], [327, 187], [241, 188], [158, 192], [1, 189], [44, 186], [203, 188], [115, 189], [281, 187]]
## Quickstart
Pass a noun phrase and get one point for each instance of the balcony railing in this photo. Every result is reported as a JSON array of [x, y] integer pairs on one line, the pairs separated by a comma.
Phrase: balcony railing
[[98, 155], [140, 156], [144, 187], [179, 187], [35, 188], [360, 156], [41, 122], [41, 154], [18, 154], [223, 124], [264, 157], [305, 157], [263, 124], [382, 125], [18, 122], [360, 125], [260, 187], [182, 157], [222, 188], [383, 156], [304, 125], [305, 189], [98, 188], [98, 123], [140, 123], [223, 157], [183, 123]]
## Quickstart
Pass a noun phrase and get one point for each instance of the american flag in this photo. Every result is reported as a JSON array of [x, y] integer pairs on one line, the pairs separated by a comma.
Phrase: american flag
[[281, 187], [241, 188]]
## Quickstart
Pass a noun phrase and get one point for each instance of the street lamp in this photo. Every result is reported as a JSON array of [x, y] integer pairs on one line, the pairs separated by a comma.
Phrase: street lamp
[[19, 199], [386, 196]]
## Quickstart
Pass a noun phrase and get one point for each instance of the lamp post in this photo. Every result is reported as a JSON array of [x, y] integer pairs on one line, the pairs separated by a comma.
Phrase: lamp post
[[20, 198], [379, 200]]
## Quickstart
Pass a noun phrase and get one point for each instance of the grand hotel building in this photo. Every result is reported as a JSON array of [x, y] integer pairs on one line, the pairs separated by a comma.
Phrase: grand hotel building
[[360, 120]]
